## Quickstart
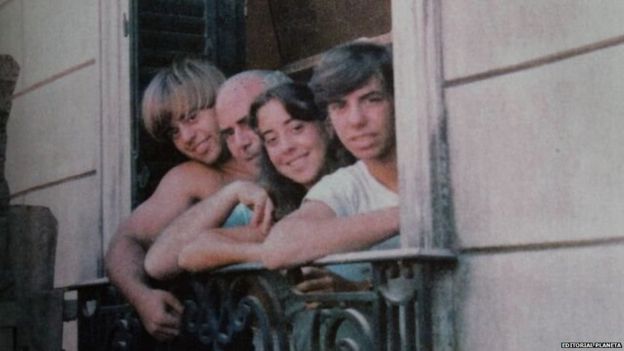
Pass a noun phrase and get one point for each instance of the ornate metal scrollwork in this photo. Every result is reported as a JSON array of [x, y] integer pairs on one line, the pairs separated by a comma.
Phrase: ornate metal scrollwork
[[397, 283], [125, 334], [342, 329], [226, 312], [258, 310], [403, 310]]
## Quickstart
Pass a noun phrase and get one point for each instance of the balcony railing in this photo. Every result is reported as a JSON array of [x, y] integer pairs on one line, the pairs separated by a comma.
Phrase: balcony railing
[[246, 307]]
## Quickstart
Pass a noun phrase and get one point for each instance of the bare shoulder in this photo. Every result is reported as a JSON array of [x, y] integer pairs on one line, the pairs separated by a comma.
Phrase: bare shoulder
[[193, 179], [177, 191], [193, 170]]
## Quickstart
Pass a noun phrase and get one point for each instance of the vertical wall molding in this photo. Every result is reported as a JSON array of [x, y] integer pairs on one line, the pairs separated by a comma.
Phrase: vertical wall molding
[[424, 176], [420, 118], [9, 71], [114, 65]]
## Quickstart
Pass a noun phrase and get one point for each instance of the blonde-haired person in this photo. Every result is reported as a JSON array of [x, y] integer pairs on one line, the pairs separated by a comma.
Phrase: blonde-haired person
[[178, 105]]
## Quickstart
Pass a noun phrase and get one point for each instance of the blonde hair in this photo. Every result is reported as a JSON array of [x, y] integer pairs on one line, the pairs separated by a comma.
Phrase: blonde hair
[[186, 86]]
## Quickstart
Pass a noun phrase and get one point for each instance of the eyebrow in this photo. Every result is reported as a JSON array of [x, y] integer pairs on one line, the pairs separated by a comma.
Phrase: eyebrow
[[181, 116], [287, 122], [243, 120], [372, 92], [226, 131], [265, 133]]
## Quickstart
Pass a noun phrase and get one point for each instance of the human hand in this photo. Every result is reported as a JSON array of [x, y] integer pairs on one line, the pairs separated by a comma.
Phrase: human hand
[[257, 198], [160, 313], [321, 280]]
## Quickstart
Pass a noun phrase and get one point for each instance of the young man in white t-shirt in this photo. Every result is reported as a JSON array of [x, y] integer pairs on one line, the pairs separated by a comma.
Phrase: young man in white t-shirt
[[356, 207]]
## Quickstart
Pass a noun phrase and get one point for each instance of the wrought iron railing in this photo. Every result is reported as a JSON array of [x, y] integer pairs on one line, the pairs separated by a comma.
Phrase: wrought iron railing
[[246, 307]]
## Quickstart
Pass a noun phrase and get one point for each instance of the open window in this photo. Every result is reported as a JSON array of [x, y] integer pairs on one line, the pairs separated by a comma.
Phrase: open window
[[396, 313], [161, 31], [236, 35]]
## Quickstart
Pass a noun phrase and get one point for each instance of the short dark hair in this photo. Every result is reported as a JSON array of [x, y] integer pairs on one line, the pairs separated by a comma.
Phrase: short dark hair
[[348, 67]]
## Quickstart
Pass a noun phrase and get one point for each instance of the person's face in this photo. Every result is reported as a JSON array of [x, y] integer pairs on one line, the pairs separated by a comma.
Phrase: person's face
[[364, 121], [296, 148], [196, 135], [232, 106]]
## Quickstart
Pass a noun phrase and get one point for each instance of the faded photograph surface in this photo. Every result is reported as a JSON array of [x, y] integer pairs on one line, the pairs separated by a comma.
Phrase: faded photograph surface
[[311, 175]]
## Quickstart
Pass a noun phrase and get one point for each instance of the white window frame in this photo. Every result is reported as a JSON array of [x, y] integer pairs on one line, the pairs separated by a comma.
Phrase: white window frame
[[115, 128]]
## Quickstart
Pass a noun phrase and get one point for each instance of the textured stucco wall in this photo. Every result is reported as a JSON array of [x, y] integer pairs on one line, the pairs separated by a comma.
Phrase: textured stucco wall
[[53, 141], [536, 161]]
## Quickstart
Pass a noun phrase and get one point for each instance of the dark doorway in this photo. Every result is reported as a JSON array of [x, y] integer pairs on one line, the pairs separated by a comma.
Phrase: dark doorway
[[162, 30]]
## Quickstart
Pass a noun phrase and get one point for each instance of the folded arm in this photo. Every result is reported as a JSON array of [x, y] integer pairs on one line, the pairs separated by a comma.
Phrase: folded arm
[[218, 248], [159, 310], [161, 261], [314, 231]]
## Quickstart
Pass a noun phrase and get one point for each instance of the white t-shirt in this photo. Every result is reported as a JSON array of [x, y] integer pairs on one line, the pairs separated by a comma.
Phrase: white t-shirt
[[353, 190]]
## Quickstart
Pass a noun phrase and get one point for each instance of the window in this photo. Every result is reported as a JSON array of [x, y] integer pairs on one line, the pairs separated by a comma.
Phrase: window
[[161, 31], [396, 313]]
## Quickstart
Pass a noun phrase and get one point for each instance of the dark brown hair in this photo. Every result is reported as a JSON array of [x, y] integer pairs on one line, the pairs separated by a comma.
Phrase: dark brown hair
[[298, 101], [348, 67]]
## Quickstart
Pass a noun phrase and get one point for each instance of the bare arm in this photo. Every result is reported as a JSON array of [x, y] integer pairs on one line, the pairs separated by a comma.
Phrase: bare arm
[[160, 311], [218, 248], [124, 262], [161, 261], [314, 231]]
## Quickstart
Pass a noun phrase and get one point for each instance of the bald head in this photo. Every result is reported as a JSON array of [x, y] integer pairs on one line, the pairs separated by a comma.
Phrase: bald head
[[241, 89], [233, 102]]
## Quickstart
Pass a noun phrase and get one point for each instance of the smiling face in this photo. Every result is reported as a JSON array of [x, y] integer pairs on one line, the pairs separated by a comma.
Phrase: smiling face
[[296, 148], [196, 135], [364, 121]]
